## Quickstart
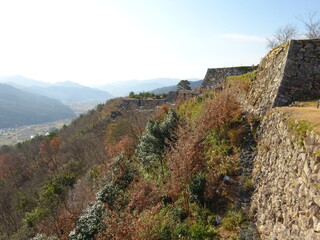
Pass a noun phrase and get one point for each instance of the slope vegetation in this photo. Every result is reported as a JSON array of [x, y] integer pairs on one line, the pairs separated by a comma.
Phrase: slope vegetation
[[119, 173]]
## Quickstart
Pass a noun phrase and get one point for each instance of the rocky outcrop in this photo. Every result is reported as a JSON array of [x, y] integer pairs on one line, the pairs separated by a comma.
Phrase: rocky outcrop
[[286, 173], [289, 72], [215, 76]]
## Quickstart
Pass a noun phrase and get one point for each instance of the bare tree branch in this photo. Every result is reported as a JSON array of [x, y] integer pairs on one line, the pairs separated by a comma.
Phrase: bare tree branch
[[282, 35], [311, 24]]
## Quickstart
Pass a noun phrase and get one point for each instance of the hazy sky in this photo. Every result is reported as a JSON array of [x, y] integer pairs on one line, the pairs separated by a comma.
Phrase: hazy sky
[[101, 41]]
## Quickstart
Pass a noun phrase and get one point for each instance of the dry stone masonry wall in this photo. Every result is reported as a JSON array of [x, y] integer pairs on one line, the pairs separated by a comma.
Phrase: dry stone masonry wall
[[301, 80], [215, 76], [286, 169], [264, 89], [286, 172], [289, 72]]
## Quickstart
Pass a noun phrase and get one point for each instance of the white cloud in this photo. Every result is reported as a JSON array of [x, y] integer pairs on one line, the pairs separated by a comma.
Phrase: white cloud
[[242, 37]]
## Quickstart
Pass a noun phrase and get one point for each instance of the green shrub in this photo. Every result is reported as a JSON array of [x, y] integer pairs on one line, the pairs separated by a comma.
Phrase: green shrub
[[89, 223], [109, 193], [49, 196], [197, 188], [181, 231], [201, 232], [155, 140], [218, 143], [192, 108], [35, 216], [56, 187], [123, 171], [179, 213], [233, 219], [166, 232]]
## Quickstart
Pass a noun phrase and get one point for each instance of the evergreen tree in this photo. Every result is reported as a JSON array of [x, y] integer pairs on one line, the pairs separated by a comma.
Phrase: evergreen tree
[[155, 140], [184, 85]]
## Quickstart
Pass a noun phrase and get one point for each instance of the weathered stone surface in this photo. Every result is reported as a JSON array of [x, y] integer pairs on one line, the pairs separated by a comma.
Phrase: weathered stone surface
[[301, 80], [215, 76], [173, 96], [286, 200], [289, 72]]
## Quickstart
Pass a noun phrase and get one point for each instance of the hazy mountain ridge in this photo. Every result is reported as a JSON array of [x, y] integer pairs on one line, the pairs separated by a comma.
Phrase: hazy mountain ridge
[[19, 108], [124, 87], [22, 81], [67, 92]]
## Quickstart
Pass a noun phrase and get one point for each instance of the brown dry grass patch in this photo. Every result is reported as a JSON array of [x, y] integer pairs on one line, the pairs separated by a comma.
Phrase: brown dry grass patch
[[308, 112]]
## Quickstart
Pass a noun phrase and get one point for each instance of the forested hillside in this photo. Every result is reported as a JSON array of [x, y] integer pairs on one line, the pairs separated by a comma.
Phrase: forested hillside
[[19, 108], [119, 173]]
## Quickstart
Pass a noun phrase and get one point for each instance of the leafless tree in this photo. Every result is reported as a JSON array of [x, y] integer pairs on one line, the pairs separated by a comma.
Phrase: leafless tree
[[282, 35], [311, 24]]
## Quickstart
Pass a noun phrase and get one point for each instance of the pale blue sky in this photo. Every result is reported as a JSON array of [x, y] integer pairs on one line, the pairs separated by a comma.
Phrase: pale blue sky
[[100, 41]]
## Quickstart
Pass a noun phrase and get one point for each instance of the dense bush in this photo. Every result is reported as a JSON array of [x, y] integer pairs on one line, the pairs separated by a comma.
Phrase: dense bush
[[197, 188], [155, 140], [233, 219], [89, 223]]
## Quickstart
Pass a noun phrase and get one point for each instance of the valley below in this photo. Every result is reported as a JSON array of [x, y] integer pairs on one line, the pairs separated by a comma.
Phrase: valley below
[[11, 136]]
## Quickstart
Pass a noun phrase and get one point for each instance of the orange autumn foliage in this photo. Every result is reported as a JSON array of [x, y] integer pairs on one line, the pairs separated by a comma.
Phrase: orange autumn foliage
[[7, 164], [184, 159], [219, 111], [143, 195], [125, 145]]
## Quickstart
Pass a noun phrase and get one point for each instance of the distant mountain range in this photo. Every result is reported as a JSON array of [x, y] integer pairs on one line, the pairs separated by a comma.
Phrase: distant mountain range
[[18, 107], [67, 92], [24, 101], [193, 85], [123, 88]]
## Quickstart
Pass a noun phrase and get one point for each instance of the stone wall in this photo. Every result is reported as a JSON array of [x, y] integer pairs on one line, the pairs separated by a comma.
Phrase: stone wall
[[173, 96], [264, 89], [301, 80], [289, 72], [215, 76], [286, 172]]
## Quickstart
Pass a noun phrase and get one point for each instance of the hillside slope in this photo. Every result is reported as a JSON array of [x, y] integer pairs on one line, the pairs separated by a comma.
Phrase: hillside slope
[[202, 168], [19, 108]]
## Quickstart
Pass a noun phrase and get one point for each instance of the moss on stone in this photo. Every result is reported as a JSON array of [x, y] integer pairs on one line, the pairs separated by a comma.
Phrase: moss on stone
[[300, 128], [247, 77]]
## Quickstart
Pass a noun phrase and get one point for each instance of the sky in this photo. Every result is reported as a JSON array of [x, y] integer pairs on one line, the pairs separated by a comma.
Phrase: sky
[[95, 42]]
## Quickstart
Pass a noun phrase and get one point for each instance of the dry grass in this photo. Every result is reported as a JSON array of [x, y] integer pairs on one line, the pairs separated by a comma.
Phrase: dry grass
[[308, 112]]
